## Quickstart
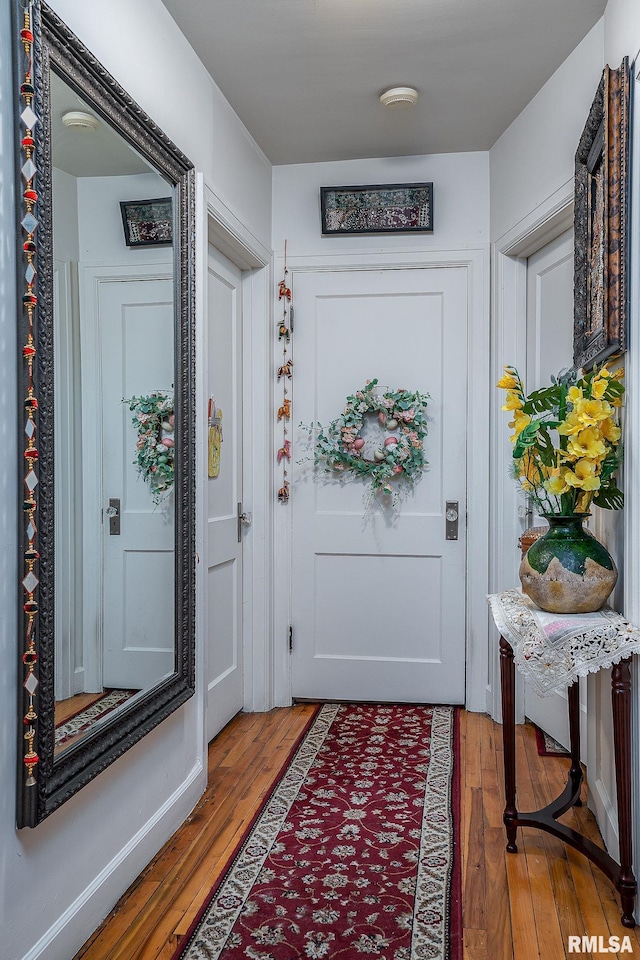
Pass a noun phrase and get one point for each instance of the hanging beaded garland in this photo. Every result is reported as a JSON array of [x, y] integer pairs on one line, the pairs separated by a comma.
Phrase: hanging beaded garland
[[29, 224], [285, 374]]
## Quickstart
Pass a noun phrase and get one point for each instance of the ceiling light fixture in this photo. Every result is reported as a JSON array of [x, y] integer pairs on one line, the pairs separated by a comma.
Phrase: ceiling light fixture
[[79, 120], [399, 97]]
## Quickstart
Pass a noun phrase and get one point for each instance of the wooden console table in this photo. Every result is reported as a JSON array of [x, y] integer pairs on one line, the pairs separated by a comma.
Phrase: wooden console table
[[548, 647]]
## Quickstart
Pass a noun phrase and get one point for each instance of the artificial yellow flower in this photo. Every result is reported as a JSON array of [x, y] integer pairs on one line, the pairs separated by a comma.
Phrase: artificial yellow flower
[[583, 476], [508, 381], [590, 412], [557, 485], [575, 394], [587, 444], [571, 425], [598, 388], [513, 401], [519, 422], [610, 430]]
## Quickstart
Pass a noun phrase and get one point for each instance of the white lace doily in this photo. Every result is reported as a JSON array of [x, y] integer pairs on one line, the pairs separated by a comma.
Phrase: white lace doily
[[552, 650]]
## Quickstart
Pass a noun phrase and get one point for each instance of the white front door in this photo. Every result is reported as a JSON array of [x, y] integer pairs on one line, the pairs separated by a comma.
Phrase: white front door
[[378, 608], [549, 350], [135, 319], [224, 494]]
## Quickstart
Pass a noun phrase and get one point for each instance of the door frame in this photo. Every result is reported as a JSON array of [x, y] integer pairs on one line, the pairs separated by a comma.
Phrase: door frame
[[509, 346], [476, 263], [226, 233]]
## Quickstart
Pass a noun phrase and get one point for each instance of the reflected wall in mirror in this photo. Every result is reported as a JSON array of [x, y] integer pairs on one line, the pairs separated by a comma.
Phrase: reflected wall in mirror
[[109, 584]]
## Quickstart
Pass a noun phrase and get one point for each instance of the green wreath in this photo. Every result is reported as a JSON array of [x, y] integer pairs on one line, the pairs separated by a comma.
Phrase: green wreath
[[153, 418], [401, 455]]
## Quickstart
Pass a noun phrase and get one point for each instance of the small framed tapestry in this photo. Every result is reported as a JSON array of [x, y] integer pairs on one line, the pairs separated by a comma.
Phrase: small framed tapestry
[[147, 223], [600, 224], [380, 208]]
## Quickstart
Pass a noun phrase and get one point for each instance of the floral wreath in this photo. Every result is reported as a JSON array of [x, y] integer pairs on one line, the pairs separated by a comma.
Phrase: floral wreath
[[401, 413], [153, 418]]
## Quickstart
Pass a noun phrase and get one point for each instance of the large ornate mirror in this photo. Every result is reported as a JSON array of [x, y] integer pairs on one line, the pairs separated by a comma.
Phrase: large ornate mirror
[[105, 282]]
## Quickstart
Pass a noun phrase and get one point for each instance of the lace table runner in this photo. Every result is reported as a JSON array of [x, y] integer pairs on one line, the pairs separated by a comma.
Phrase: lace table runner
[[552, 650]]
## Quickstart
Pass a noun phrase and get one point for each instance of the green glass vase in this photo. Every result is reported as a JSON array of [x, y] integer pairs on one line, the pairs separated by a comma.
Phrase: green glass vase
[[567, 570]]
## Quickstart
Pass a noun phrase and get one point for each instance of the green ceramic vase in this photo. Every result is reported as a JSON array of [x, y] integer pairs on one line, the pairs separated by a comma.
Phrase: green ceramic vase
[[567, 570]]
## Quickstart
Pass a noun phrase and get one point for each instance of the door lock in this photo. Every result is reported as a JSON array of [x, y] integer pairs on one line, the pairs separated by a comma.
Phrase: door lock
[[451, 516]]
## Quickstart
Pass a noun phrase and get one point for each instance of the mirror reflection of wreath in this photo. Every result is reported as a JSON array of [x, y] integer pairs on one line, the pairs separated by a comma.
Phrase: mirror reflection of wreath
[[153, 418], [401, 414]]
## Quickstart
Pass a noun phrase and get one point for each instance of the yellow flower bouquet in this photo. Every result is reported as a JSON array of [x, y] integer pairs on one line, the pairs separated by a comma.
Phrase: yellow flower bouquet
[[566, 439]]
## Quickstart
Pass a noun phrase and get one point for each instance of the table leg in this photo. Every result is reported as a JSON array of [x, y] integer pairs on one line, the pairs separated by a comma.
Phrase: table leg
[[621, 704], [575, 772], [507, 677]]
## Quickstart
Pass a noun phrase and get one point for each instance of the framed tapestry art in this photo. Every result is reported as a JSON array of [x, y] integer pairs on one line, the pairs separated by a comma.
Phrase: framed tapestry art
[[600, 223], [381, 208], [147, 223]]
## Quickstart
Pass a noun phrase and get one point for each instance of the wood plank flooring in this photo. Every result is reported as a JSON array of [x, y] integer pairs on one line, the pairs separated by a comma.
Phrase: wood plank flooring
[[516, 906]]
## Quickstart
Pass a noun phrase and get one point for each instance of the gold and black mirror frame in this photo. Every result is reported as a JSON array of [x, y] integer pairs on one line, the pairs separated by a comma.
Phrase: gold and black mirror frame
[[45, 781]]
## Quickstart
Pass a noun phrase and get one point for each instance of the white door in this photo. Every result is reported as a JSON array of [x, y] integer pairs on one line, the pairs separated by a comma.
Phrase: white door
[[379, 595], [135, 319], [549, 350], [224, 494]]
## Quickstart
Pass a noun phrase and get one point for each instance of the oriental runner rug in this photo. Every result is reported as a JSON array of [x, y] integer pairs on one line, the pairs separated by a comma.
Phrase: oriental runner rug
[[82, 721], [354, 853]]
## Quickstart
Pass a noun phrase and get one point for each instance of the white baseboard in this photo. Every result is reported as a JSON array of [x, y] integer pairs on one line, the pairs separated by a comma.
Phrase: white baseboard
[[65, 937]]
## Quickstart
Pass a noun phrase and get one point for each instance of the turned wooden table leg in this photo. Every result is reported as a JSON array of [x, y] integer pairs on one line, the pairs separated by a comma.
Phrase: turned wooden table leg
[[575, 772], [507, 678], [621, 704]]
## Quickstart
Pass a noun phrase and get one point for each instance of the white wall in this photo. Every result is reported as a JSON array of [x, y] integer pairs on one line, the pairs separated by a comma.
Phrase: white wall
[[460, 203], [534, 157], [53, 897]]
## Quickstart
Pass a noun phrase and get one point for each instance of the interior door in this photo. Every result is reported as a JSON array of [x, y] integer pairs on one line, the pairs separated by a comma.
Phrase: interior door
[[224, 493], [138, 574], [379, 594], [549, 350]]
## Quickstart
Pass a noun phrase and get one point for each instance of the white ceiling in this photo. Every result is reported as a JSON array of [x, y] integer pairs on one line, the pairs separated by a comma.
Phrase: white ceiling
[[88, 153], [305, 75]]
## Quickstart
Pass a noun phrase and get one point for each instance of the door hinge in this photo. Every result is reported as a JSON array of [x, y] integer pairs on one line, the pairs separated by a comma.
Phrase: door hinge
[[290, 638]]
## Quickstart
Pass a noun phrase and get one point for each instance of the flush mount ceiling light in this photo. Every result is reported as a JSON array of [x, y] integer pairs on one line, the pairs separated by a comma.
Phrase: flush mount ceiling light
[[79, 120], [399, 97]]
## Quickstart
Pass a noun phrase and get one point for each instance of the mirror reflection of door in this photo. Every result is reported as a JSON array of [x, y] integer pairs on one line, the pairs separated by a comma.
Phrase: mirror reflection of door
[[113, 340]]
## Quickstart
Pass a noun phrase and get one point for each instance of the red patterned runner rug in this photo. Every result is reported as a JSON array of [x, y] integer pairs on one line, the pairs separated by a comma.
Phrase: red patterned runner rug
[[354, 853]]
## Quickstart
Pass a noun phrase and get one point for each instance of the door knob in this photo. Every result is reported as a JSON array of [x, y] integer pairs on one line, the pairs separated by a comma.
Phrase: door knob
[[244, 519]]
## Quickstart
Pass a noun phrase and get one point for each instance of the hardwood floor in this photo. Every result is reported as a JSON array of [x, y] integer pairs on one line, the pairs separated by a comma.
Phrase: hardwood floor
[[516, 906]]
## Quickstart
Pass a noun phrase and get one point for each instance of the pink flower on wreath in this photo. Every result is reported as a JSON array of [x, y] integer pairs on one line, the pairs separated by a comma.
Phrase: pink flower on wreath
[[398, 468], [409, 415]]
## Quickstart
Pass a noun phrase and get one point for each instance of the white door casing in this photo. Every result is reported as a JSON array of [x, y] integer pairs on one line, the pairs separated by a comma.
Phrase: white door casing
[[128, 591], [549, 350], [223, 545], [378, 601]]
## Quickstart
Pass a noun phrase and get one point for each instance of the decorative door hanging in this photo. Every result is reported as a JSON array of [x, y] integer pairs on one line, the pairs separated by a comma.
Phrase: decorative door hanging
[[400, 454], [285, 374]]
